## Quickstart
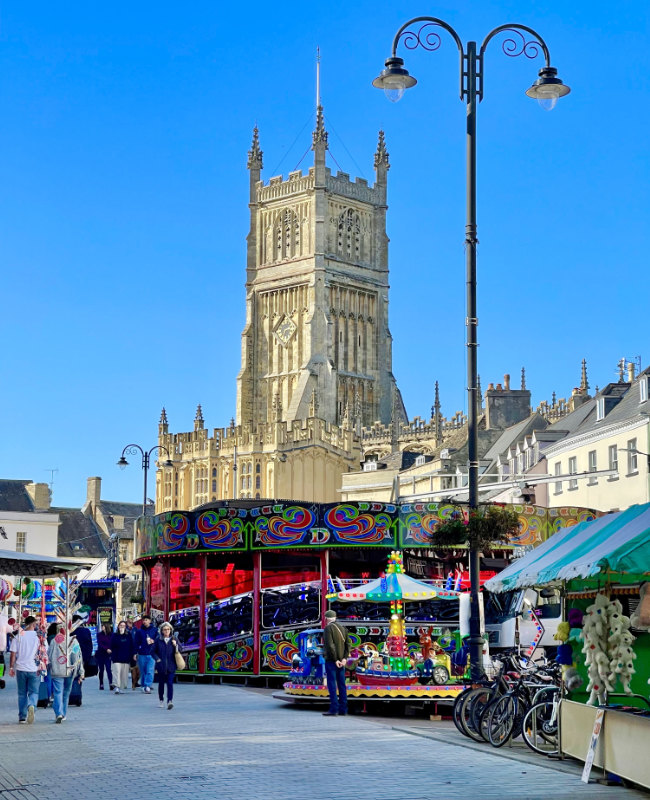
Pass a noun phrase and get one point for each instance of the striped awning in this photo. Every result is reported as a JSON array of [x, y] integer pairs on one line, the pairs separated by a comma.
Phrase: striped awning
[[615, 543]]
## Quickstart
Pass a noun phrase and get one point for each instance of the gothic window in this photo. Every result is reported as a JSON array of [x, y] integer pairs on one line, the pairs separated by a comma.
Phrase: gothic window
[[214, 486], [349, 235], [257, 468], [214, 472], [257, 482]]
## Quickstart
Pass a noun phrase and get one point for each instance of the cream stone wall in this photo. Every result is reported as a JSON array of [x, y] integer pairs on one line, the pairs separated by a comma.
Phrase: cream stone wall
[[602, 493]]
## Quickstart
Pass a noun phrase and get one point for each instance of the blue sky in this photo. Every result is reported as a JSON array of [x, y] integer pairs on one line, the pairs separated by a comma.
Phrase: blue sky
[[123, 205]]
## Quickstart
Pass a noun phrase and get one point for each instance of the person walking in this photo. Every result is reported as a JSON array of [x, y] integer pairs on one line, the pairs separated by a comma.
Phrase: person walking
[[164, 652], [145, 638], [336, 645], [122, 653], [103, 655], [23, 663], [66, 666]]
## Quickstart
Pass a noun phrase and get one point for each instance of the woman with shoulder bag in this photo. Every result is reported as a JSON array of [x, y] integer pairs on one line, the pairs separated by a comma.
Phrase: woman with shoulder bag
[[168, 658]]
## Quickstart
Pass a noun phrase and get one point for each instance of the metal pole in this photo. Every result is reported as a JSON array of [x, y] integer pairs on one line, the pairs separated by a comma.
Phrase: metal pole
[[145, 469], [471, 322]]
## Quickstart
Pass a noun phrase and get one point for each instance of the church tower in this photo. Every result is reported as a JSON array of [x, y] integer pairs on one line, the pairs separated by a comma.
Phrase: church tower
[[316, 332]]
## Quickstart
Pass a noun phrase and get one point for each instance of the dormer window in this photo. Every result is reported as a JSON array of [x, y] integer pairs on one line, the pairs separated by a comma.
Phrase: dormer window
[[420, 461], [370, 466], [643, 389], [600, 409]]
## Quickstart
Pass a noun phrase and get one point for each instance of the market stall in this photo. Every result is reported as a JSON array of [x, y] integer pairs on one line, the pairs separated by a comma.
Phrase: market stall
[[603, 567]]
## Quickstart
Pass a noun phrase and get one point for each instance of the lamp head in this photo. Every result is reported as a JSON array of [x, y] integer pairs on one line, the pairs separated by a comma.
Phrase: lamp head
[[394, 79], [168, 463], [548, 88], [122, 463]]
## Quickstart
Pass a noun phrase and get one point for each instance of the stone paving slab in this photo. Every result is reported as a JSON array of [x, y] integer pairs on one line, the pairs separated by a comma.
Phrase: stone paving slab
[[230, 743]]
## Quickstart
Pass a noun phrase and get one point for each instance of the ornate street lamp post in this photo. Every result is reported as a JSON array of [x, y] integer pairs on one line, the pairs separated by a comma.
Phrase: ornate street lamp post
[[394, 79], [134, 449]]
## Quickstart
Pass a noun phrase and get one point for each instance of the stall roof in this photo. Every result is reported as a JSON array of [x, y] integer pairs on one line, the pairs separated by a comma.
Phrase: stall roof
[[617, 542], [30, 565]]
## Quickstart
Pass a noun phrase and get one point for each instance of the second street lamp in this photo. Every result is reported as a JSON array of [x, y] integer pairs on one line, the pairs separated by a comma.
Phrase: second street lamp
[[547, 89], [134, 449]]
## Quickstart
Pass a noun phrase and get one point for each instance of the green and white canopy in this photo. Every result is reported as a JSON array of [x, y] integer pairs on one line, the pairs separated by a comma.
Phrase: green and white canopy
[[615, 543]]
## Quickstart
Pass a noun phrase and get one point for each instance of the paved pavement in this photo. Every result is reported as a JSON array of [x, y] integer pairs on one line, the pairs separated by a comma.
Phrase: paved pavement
[[232, 743]]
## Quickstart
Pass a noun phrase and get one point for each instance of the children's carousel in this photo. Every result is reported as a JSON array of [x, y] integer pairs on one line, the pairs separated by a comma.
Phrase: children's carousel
[[427, 669]]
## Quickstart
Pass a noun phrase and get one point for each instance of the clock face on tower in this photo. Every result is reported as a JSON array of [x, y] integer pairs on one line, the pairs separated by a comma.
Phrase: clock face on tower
[[285, 330]]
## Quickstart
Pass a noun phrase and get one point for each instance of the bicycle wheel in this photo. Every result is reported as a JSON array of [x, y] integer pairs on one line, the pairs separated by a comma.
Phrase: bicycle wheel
[[475, 703], [457, 709], [501, 720], [540, 728]]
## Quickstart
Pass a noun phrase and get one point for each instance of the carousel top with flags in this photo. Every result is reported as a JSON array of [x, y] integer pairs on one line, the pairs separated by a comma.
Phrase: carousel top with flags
[[394, 585]]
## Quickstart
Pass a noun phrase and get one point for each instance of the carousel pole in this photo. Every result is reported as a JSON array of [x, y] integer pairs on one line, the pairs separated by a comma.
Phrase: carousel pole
[[257, 604], [202, 593]]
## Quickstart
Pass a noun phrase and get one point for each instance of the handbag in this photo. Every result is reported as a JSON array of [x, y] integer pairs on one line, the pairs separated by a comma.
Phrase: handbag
[[90, 667], [180, 661]]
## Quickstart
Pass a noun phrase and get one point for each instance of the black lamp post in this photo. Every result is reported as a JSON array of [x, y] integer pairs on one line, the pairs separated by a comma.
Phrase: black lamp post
[[134, 449], [394, 79]]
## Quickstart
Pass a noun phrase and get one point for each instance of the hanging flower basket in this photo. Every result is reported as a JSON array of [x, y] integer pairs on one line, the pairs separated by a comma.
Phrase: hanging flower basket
[[480, 529]]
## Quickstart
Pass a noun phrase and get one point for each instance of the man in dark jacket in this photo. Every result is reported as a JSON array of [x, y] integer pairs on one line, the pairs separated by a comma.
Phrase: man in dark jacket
[[85, 639], [145, 637], [336, 645]]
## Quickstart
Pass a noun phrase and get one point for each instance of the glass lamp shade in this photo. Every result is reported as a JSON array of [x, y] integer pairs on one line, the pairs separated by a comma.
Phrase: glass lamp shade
[[548, 88], [122, 463], [394, 80]]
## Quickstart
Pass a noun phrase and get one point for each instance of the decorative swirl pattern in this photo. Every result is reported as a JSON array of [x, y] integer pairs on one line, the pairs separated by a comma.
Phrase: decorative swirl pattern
[[288, 529], [427, 40], [518, 47], [530, 530], [216, 532], [171, 532], [351, 527], [279, 655], [223, 661]]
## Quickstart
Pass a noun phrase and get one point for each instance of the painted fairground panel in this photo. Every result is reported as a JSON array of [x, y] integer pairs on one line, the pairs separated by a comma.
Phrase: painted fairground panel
[[278, 649], [559, 518], [145, 537], [359, 524], [284, 525], [234, 656], [417, 522], [192, 532], [184, 598]]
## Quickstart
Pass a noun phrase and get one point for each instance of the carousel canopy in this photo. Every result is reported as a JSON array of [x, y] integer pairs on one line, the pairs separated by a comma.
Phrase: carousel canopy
[[617, 542], [395, 586], [29, 565]]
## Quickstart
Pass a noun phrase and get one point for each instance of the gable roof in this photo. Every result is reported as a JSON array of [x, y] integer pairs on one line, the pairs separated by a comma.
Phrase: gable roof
[[78, 535], [14, 496]]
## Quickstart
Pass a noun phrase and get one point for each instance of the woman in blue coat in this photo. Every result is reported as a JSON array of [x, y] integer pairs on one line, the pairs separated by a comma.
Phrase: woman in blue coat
[[164, 652]]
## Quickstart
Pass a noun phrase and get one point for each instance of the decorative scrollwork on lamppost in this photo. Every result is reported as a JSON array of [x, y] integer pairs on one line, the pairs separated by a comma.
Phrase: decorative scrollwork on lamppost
[[547, 89]]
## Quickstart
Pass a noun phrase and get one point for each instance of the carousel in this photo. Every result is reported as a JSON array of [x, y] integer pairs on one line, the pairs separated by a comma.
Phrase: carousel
[[431, 668]]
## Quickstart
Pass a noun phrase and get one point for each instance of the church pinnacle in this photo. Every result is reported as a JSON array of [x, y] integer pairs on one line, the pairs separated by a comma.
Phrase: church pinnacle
[[584, 383], [198, 418], [381, 155], [255, 154], [319, 135]]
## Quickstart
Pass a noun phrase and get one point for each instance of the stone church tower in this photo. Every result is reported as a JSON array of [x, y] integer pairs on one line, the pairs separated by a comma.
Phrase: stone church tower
[[316, 348], [316, 340]]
